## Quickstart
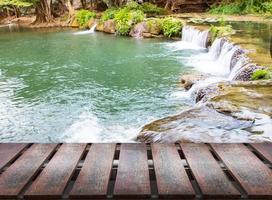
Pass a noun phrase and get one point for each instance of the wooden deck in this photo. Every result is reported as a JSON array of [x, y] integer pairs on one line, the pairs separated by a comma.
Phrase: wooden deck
[[114, 171]]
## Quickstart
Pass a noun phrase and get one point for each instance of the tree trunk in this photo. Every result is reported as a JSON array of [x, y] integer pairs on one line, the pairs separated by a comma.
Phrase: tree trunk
[[43, 11]]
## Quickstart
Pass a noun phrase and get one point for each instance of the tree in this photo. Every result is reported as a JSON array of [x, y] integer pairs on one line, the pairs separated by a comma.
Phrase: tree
[[43, 11], [15, 5]]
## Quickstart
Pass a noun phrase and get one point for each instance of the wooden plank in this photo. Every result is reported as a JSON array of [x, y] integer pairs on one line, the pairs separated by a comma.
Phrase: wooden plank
[[132, 175], [253, 175], [53, 180], [172, 179], [213, 183], [264, 149], [8, 152], [13, 180], [94, 176]]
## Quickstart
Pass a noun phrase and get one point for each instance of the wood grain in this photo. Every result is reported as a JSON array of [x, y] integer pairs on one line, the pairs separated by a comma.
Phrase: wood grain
[[94, 176], [132, 176], [56, 175], [253, 175], [264, 149], [13, 180], [210, 177], [172, 179], [9, 151]]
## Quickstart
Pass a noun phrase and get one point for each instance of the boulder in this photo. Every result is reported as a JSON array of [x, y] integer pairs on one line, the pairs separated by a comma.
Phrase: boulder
[[109, 26], [100, 27], [229, 111], [188, 80], [91, 23], [138, 30], [245, 73], [155, 28], [74, 23], [198, 124]]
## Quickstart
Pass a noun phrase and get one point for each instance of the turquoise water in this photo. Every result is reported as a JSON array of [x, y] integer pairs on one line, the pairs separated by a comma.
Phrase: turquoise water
[[59, 87]]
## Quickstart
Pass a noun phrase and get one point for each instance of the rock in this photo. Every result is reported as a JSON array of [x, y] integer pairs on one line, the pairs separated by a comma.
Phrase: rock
[[188, 80], [228, 112], [109, 26], [100, 27], [155, 28], [138, 30], [91, 23], [245, 73], [198, 124], [236, 57], [148, 29], [148, 35], [74, 23]]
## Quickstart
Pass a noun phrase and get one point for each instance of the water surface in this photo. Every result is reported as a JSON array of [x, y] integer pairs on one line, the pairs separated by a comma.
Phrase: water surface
[[60, 87]]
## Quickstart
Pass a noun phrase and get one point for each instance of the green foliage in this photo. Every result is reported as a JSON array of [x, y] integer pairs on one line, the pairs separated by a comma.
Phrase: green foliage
[[243, 7], [17, 3], [171, 26], [150, 8], [260, 75], [220, 31], [126, 18], [133, 6], [83, 17], [109, 14]]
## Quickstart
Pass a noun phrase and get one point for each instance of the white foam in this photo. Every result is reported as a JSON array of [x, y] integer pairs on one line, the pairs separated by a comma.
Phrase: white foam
[[90, 31], [87, 128]]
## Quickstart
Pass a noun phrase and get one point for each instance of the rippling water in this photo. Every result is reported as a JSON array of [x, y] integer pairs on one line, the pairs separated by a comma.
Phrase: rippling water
[[59, 87]]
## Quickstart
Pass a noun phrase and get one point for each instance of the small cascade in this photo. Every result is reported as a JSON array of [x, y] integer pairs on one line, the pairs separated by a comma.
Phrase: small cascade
[[197, 37], [91, 30], [215, 49], [223, 59], [242, 61]]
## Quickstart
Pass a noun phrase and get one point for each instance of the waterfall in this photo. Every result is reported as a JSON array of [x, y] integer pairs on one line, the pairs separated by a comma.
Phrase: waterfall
[[223, 59], [197, 37], [91, 30]]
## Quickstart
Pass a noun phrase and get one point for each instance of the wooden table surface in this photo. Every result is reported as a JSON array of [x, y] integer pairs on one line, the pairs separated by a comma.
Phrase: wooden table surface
[[136, 171]]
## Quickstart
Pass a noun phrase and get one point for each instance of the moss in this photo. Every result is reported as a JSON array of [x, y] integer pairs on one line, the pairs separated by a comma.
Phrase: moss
[[171, 27], [260, 75], [220, 31], [83, 17]]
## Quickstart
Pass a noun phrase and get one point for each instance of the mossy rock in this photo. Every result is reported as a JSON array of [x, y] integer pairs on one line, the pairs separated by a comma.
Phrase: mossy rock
[[100, 27], [74, 23]]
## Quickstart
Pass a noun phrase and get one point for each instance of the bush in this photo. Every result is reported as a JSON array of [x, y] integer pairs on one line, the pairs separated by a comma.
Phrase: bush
[[171, 27], [133, 6], [267, 7], [220, 31], [83, 17], [260, 75], [243, 7], [230, 9], [109, 14], [150, 8], [126, 18]]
